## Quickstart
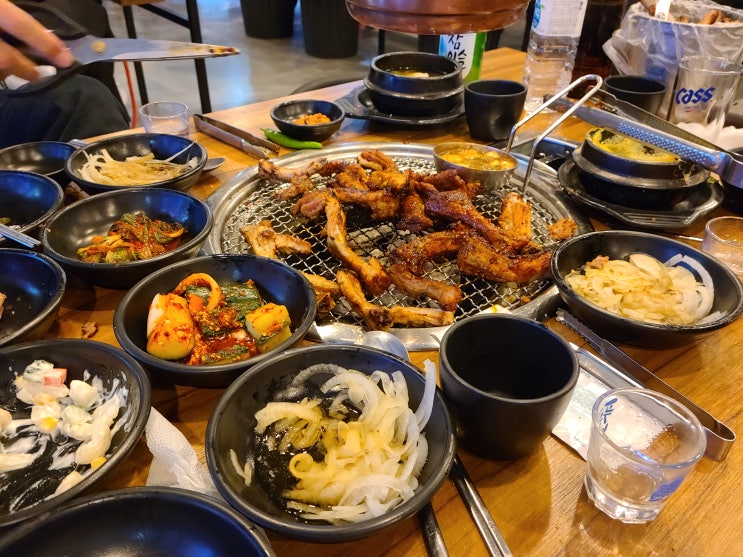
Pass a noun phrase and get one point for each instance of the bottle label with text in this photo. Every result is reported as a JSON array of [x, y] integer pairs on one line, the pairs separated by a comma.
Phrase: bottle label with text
[[559, 19]]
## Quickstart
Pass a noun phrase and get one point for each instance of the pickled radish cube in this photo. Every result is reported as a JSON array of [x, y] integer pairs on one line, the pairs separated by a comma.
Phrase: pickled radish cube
[[55, 377]]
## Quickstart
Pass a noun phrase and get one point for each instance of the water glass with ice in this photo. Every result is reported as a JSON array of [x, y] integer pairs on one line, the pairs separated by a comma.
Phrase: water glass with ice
[[705, 89], [642, 446]]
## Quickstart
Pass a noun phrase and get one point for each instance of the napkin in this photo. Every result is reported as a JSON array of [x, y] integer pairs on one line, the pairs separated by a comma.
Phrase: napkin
[[14, 82], [175, 463]]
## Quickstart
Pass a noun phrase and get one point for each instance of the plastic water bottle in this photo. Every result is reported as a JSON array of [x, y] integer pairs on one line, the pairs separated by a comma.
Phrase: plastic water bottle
[[553, 43]]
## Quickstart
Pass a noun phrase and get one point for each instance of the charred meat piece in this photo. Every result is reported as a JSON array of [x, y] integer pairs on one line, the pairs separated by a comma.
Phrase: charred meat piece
[[478, 258], [371, 273], [353, 177], [286, 243], [413, 215], [562, 229], [406, 316], [382, 204], [311, 204], [448, 180], [266, 242], [399, 182], [260, 238], [334, 167], [454, 205], [379, 318], [515, 215], [419, 251], [377, 160], [447, 296], [268, 170], [326, 290], [89, 329], [299, 185]]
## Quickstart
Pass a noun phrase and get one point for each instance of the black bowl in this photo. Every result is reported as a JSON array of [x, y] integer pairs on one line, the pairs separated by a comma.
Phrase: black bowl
[[73, 227], [29, 492], [233, 421], [436, 89], [34, 285], [120, 147], [276, 281], [576, 252], [284, 115], [42, 157], [29, 200], [647, 185], [139, 521]]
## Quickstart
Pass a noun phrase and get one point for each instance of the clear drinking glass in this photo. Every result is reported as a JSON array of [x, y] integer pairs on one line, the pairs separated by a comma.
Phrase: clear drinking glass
[[169, 117], [723, 239], [642, 446], [705, 89]]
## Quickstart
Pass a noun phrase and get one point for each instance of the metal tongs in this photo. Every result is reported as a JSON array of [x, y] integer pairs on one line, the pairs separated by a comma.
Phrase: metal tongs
[[243, 140], [609, 112], [556, 123]]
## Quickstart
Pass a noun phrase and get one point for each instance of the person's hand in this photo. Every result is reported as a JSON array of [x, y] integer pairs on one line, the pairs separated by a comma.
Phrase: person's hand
[[16, 22]]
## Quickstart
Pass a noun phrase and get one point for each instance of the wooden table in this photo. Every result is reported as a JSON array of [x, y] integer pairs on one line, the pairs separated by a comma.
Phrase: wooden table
[[538, 502]]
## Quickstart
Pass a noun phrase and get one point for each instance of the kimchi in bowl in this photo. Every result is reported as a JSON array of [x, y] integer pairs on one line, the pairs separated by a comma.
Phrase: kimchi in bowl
[[219, 363], [76, 227]]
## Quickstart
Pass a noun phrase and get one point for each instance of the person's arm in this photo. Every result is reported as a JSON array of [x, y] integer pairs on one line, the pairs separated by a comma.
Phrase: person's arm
[[16, 22]]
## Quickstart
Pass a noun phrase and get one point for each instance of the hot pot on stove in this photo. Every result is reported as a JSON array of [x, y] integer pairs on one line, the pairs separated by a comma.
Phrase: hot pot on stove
[[629, 173]]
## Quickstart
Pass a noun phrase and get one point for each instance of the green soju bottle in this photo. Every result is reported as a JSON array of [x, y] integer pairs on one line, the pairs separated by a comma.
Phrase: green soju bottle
[[466, 50]]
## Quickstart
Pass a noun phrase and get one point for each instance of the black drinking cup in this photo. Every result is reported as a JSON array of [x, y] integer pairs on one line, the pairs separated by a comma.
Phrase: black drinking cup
[[507, 381], [492, 107], [641, 91]]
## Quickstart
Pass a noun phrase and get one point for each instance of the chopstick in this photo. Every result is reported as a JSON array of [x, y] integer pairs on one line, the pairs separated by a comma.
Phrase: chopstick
[[186, 148], [432, 537], [489, 531], [18, 237]]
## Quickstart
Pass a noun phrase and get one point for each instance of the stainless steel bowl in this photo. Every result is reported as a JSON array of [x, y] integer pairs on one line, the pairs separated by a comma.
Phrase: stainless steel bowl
[[491, 180]]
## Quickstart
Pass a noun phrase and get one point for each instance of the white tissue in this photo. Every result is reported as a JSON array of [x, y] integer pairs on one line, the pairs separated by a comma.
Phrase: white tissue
[[14, 82], [175, 463]]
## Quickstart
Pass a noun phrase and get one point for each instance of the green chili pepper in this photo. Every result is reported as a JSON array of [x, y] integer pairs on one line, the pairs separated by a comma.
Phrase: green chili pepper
[[283, 139]]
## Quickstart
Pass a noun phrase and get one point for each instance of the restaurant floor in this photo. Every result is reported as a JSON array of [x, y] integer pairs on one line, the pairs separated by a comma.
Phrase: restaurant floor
[[264, 69]]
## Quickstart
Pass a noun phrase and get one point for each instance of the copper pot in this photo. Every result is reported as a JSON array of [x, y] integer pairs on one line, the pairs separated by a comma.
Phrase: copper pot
[[436, 17]]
